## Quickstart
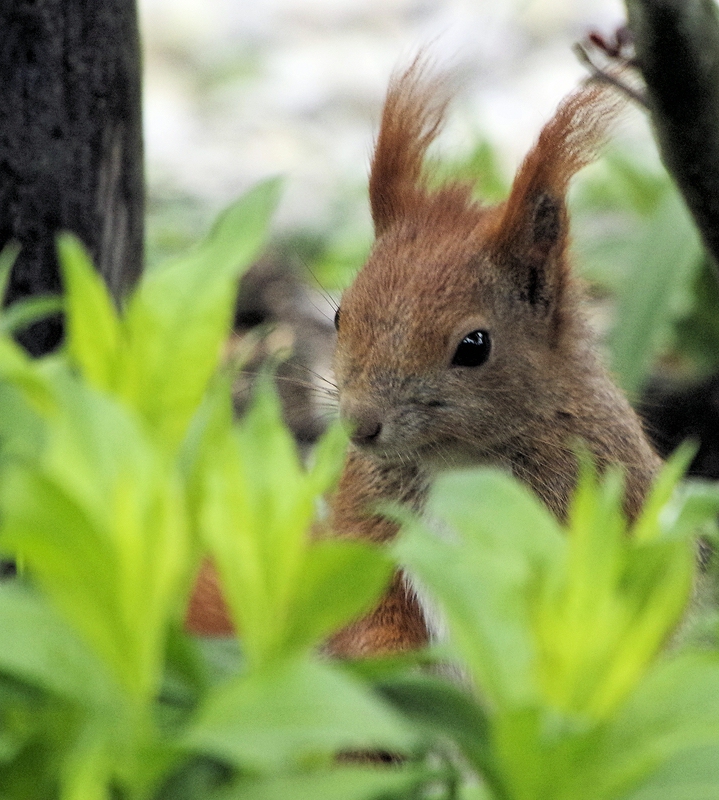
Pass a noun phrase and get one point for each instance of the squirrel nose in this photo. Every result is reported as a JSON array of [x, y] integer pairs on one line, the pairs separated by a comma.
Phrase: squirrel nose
[[366, 426]]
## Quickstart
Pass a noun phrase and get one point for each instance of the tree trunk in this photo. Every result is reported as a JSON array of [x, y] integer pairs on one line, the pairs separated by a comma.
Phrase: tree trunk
[[677, 47], [70, 143]]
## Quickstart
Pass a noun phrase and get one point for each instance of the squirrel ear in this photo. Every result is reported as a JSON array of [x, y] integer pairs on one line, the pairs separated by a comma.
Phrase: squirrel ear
[[412, 117], [534, 253], [531, 233]]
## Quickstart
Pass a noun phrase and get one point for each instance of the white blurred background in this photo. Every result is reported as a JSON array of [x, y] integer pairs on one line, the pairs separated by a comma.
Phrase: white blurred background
[[236, 90]]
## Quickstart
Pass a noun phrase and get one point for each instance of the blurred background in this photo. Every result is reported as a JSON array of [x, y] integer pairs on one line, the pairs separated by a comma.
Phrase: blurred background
[[236, 90]]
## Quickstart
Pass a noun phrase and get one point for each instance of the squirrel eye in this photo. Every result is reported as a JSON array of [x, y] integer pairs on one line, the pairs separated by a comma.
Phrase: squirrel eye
[[337, 319], [473, 350]]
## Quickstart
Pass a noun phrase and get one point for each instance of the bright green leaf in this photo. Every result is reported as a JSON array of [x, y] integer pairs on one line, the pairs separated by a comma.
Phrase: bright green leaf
[[340, 581], [179, 317], [484, 571], [37, 648], [291, 712], [92, 324]]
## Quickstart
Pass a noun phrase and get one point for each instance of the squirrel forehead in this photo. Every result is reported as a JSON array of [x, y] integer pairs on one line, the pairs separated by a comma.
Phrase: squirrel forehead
[[415, 271], [412, 295]]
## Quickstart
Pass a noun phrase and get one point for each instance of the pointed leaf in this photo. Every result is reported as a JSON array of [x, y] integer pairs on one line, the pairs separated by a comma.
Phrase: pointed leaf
[[93, 327], [340, 581], [484, 571], [665, 260], [24, 312], [179, 317]]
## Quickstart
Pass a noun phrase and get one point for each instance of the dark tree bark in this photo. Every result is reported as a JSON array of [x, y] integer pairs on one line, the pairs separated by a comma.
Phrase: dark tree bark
[[677, 48], [70, 143]]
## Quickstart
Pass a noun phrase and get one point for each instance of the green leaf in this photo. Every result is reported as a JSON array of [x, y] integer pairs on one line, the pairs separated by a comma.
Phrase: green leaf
[[293, 711], [179, 317], [442, 710], [26, 376], [100, 523], [328, 458], [256, 504], [349, 783], [21, 429], [664, 261], [648, 523], [340, 581], [664, 744], [92, 324], [696, 333], [24, 312], [484, 571], [38, 648], [614, 605]]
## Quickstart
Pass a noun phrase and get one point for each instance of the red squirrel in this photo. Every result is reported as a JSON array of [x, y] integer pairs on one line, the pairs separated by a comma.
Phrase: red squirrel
[[462, 340]]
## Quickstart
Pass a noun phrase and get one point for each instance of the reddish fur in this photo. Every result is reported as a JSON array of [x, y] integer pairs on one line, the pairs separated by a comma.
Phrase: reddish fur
[[443, 265], [207, 613]]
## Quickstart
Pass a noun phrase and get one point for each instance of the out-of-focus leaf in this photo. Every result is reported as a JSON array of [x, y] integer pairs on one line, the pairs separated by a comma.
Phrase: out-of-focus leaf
[[179, 317], [21, 429], [25, 376], [664, 744], [349, 783], [662, 265], [696, 333], [99, 521], [293, 711], [43, 730], [441, 709], [328, 458], [479, 168], [92, 324], [620, 181], [617, 601], [256, 506], [484, 570], [340, 581], [561, 647], [38, 648], [649, 522], [24, 312], [659, 745]]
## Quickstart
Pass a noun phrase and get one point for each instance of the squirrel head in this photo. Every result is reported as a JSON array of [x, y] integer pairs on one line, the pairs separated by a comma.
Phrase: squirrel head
[[463, 329]]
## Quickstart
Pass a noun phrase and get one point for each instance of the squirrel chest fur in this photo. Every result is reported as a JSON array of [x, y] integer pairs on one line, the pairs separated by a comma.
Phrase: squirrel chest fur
[[462, 342]]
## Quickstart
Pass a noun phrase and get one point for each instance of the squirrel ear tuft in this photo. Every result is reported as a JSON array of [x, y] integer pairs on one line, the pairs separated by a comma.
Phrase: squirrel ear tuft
[[412, 118], [532, 230]]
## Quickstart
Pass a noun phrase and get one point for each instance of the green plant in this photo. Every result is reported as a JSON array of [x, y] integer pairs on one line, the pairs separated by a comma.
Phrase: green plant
[[562, 632], [637, 243], [126, 470], [121, 468]]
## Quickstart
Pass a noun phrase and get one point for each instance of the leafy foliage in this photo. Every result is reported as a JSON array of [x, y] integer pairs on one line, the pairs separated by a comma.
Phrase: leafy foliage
[[562, 635], [122, 469], [636, 241]]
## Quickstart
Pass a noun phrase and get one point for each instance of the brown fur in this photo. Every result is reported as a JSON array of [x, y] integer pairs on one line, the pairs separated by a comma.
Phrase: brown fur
[[441, 267]]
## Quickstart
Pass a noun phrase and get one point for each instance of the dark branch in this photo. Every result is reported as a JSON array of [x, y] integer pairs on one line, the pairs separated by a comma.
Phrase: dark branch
[[677, 51]]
